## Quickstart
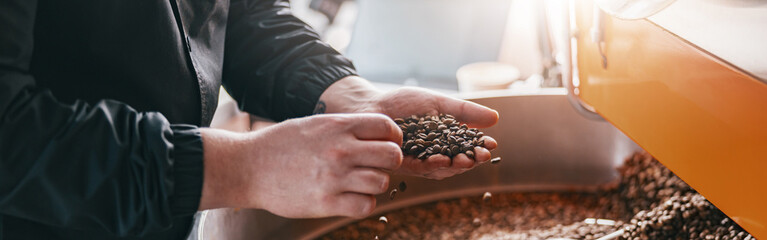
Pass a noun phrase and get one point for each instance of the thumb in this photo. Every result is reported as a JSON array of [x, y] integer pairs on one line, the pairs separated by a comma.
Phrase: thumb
[[472, 114]]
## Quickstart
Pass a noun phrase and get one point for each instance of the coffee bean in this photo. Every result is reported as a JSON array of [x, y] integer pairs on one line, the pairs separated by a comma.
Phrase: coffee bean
[[392, 194], [487, 196], [422, 136], [383, 219], [431, 125], [437, 134], [495, 160], [471, 133], [437, 149], [402, 186], [454, 150], [470, 154], [414, 149], [476, 222]]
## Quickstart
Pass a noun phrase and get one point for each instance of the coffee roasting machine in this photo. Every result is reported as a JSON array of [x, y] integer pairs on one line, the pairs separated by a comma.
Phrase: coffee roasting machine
[[684, 79]]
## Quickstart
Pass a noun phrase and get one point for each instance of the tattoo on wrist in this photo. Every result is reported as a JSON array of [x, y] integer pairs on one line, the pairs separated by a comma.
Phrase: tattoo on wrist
[[320, 108]]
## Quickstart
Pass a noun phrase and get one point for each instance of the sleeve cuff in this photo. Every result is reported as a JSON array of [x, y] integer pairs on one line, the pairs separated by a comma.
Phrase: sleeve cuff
[[313, 78], [187, 170]]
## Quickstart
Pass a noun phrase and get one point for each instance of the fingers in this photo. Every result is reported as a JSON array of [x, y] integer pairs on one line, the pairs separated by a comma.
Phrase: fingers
[[378, 154], [414, 166], [354, 205], [482, 155], [472, 114], [490, 142], [461, 161], [375, 127], [366, 181]]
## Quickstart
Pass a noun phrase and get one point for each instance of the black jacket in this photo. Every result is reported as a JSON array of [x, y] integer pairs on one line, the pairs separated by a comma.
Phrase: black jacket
[[100, 101]]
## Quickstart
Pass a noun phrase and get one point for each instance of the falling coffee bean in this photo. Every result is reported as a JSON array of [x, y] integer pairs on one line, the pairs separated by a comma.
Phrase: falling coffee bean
[[383, 219], [392, 194], [487, 196], [402, 186], [495, 160], [476, 222]]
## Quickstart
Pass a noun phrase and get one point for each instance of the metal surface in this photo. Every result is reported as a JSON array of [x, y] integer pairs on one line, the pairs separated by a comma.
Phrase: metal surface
[[545, 146]]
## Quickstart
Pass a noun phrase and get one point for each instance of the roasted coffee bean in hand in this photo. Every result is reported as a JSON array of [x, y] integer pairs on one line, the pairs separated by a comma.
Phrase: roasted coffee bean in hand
[[430, 135]]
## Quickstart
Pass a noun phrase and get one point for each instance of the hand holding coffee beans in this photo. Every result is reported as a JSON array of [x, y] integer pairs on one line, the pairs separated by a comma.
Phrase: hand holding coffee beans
[[430, 135]]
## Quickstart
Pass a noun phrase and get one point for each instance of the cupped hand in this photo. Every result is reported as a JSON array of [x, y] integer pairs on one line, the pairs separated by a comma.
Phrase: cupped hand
[[418, 101]]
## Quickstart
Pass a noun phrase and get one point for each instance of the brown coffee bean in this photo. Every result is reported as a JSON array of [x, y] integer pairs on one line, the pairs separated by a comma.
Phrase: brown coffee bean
[[446, 151], [414, 149], [436, 149], [487, 196], [402, 186], [454, 150], [471, 133], [429, 150], [422, 136], [495, 160], [460, 131], [470, 154], [408, 144], [412, 127], [476, 222], [431, 125], [429, 135], [392, 193]]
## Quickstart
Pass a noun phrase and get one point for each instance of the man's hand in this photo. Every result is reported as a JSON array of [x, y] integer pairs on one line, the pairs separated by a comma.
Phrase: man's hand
[[317, 166], [353, 94]]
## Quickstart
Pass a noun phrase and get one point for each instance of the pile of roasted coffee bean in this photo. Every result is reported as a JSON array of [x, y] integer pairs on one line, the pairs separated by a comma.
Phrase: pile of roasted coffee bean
[[665, 207], [648, 202], [646, 183], [430, 135], [502, 216], [683, 217]]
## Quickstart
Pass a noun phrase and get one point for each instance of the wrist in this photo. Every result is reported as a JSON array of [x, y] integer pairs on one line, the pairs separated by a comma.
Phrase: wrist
[[348, 95], [221, 153]]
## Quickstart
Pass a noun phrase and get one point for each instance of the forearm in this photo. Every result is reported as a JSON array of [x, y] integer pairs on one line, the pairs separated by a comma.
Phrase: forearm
[[275, 66], [348, 95]]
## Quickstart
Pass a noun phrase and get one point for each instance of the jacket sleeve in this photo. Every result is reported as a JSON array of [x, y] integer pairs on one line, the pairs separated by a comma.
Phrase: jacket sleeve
[[101, 167], [275, 65]]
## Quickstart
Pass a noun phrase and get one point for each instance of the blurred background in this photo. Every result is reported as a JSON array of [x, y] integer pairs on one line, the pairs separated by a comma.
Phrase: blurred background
[[425, 43]]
